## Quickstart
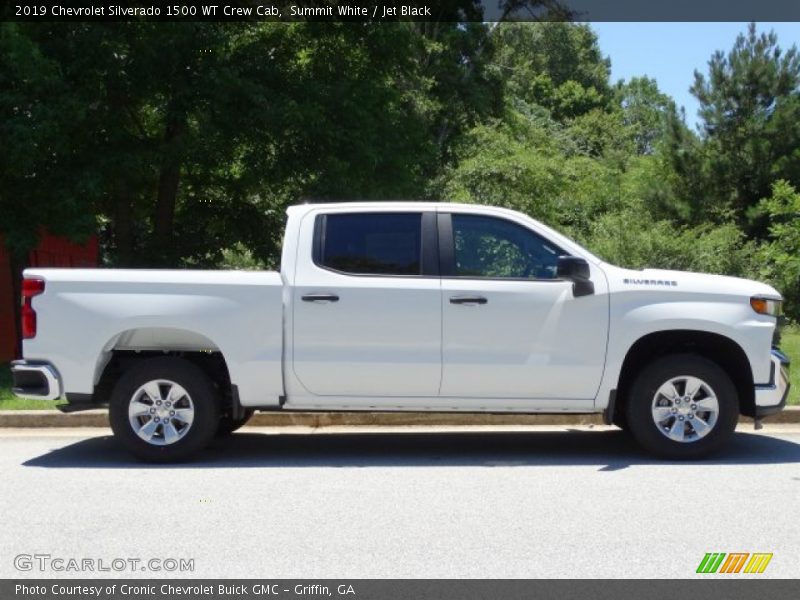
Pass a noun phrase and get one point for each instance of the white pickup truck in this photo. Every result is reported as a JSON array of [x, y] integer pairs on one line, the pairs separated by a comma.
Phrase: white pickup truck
[[405, 306]]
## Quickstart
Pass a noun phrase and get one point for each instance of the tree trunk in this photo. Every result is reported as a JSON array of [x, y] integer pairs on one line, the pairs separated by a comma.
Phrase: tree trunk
[[123, 226], [164, 216], [122, 200]]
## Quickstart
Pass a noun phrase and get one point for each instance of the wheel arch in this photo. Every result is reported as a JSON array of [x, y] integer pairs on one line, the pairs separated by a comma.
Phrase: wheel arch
[[722, 350], [131, 346]]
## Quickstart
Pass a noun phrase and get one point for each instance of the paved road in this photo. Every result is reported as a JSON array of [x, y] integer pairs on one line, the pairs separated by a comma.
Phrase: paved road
[[540, 503]]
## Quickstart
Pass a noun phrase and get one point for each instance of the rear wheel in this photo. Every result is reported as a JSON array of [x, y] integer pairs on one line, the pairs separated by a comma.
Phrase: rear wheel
[[164, 409], [682, 406]]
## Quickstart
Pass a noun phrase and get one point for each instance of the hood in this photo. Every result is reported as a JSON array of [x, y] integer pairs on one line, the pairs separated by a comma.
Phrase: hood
[[686, 281]]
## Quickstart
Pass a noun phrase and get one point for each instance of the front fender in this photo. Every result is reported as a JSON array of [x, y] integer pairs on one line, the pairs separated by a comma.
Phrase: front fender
[[727, 317]]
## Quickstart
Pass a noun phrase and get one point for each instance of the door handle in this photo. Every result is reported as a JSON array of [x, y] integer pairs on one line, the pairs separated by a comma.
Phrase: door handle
[[320, 298], [468, 300]]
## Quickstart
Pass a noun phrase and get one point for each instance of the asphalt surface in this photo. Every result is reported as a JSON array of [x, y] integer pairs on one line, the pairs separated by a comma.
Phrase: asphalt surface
[[264, 503]]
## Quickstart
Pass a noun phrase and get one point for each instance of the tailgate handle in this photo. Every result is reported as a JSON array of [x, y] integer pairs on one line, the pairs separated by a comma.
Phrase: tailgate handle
[[468, 300], [320, 298]]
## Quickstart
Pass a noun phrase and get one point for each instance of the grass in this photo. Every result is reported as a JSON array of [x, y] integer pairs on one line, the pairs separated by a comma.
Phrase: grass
[[790, 344], [9, 401]]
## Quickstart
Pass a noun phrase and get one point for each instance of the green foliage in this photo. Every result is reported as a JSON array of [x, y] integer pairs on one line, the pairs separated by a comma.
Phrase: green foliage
[[177, 140], [600, 133], [240, 258], [780, 255], [495, 166], [645, 112], [5, 382], [41, 145], [555, 65], [183, 143], [631, 238]]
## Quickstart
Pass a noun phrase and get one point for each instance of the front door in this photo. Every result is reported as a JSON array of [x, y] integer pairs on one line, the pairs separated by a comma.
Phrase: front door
[[510, 328]]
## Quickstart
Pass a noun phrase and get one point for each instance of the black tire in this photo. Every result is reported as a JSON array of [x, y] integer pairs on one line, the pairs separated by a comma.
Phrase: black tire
[[227, 425], [201, 392], [639, 407], [621, 421]]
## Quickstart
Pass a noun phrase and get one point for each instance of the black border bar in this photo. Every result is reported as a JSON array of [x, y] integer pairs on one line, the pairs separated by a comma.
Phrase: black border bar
[[700, 588], [401, 10]]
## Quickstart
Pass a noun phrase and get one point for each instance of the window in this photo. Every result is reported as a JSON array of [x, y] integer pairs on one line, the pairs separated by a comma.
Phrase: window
[[372, 243], [490, 247]]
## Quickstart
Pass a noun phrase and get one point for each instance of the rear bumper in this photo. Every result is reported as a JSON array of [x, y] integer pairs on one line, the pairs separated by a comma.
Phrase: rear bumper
[[35, 381], [771, 398]]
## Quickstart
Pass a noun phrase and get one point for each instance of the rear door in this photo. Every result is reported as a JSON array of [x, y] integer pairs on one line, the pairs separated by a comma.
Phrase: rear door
[[367, 308], [511, 328]]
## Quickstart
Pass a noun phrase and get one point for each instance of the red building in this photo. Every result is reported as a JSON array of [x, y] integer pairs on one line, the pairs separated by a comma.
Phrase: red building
[[52, 251]]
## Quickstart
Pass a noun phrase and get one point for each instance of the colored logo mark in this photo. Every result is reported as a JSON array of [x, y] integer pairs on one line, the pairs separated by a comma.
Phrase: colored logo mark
[[734, 562]]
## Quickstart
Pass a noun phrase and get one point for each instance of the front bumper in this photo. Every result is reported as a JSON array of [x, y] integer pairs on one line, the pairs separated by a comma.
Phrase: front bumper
[[35, 381], [771, 397]]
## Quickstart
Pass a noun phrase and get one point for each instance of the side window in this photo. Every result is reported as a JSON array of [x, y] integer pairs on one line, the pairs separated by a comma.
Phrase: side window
[[372, 243], [491, 247]]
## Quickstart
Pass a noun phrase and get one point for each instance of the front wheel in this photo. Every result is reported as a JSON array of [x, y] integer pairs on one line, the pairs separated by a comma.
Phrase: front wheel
[[682, 406], [164, 409]]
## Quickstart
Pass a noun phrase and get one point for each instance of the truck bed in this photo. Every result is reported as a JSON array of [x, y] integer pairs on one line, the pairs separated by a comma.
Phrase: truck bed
[[84, 315]]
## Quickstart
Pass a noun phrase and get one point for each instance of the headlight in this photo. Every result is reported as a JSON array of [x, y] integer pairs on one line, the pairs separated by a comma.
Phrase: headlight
[[767, 306]]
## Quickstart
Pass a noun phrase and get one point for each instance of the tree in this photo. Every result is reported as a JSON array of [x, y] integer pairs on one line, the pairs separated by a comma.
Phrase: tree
[[645, 111], [750, 111], [555, 65], [181, 139]]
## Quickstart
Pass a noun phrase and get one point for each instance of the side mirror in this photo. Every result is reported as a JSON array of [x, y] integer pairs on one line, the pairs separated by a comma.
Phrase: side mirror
[[576, 270]]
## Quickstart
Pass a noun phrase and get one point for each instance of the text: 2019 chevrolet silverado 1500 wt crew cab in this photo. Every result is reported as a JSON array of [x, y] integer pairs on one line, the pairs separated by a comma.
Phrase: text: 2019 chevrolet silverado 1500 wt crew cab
[[405, 306]]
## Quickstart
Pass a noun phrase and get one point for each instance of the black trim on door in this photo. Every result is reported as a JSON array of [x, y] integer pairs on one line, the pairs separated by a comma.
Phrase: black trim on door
[[320, 225], [447, 247], [430, 245]]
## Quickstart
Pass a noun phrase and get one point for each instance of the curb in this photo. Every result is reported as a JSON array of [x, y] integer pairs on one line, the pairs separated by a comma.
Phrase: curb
[[99, 418]]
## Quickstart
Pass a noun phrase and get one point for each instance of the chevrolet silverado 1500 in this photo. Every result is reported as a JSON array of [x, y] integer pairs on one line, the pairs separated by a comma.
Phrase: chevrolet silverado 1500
[[402, 306]]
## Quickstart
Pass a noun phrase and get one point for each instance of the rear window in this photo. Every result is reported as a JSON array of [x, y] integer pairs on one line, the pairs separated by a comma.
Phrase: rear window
[[372, 243]]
